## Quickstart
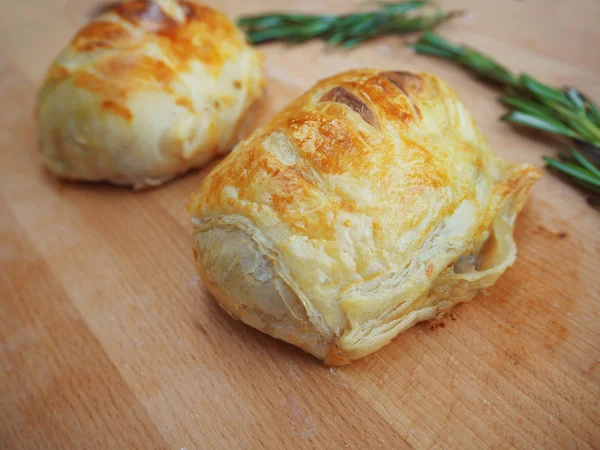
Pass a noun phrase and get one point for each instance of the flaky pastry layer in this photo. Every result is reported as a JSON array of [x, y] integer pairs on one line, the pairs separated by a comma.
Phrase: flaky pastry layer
[[148, 90], [369, 204]]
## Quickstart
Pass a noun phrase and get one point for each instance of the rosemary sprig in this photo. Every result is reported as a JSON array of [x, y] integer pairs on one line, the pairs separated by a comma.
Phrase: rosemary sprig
[[347, 30], [566, 112]]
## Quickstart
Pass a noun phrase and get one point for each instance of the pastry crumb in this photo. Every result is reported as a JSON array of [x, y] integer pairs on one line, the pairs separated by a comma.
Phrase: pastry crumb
[[436, 325]]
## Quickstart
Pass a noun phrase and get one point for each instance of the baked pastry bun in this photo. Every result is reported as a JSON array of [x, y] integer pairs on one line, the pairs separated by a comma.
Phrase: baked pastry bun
[[367, 205], [147, 90]]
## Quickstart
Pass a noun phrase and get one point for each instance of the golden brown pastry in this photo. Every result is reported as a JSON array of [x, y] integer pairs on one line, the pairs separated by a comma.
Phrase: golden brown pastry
[[149, 89], [369, 204]]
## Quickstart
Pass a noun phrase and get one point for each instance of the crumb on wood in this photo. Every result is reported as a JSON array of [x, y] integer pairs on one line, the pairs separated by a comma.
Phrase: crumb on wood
[[435, 324], [549, 234]]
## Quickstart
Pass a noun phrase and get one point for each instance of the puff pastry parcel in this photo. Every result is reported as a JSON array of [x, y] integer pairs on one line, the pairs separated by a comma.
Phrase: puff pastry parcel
[[149, 89], [369, 204]]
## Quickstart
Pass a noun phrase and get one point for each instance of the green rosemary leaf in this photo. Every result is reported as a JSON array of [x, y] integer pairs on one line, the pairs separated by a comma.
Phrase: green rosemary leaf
[[577, 120], [543, 91], [290, 32], [362, 26], [352, 42], [403, 7], [336, 38], [348, 30], [593, 112], [573, 170], [261, 22], [481, 65], [544, 124], [528, 106], [422, 47], [585, 162], [575, 97], [435, 40], [406, 24]]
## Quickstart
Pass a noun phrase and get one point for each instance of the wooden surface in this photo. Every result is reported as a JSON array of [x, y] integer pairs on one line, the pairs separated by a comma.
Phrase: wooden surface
[[107, 340]]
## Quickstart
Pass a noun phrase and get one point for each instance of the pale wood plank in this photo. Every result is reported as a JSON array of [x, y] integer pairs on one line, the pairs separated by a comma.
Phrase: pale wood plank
[[17, 14], [58, 386]]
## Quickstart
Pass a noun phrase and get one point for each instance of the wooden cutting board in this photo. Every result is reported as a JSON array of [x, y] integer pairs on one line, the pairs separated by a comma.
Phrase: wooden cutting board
[[108, 340]]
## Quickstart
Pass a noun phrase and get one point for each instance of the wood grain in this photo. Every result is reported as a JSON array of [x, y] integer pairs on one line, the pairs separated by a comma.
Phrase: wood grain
[[107, 340]]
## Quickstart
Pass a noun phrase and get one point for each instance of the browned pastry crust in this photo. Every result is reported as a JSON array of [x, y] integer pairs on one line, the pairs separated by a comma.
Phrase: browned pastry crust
[[147, 90], [367, 205]]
